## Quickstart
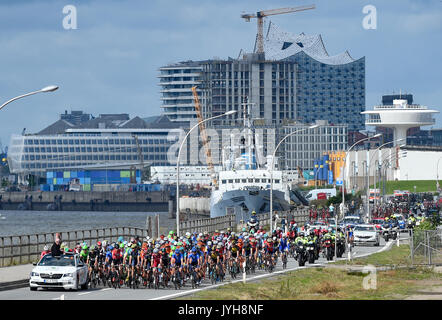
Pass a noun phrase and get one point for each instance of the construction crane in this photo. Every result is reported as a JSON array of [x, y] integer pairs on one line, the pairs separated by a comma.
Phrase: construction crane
[[204, 138], [261, 14]]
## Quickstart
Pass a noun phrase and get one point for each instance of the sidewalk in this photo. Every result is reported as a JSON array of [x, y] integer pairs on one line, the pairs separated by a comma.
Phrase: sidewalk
[[15, 276]]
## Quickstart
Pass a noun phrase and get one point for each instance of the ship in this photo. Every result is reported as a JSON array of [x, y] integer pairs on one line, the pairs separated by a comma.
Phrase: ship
[[244, 185]]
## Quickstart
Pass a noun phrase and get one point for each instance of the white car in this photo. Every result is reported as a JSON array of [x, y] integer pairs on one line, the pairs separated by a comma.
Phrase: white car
[[365, 234], [66, 271]]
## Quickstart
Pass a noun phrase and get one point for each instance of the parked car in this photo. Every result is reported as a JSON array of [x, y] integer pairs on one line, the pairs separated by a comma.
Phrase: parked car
[[66, 271], [366, 234]]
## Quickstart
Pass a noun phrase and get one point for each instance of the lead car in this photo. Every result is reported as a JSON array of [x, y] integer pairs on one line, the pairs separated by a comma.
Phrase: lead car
[[67, 271]]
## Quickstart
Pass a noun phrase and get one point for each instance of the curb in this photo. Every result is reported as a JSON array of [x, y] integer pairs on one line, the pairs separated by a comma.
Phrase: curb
[[14, 285]]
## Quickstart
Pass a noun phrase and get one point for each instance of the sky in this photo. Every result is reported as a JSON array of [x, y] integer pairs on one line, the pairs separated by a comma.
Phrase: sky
[[109, 64]]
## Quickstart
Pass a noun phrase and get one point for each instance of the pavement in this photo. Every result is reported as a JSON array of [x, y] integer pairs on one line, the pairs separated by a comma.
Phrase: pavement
[[20, 289]]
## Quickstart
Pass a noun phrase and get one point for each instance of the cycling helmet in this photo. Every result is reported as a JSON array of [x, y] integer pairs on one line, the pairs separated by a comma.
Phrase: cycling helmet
[[99, 243], [66, 249], [93, 248], [120, 239], [177, 251], [155, 250], [209, 243], [219, 246], [85, 247], [270, 240], [194, 249], [46, 248], [121, 245]]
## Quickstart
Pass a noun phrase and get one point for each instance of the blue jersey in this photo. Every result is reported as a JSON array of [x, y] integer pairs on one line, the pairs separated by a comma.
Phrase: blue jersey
[[178, 258], [194, 258], [283, 244]]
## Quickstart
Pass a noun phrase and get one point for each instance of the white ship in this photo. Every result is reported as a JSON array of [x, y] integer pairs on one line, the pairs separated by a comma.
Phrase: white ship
[[244, 185]]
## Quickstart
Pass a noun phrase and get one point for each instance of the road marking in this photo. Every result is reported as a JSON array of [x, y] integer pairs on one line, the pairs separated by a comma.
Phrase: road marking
[[82, 294]]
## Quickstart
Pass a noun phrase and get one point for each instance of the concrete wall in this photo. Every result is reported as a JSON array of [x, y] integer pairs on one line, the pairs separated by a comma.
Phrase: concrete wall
[[199, 205]]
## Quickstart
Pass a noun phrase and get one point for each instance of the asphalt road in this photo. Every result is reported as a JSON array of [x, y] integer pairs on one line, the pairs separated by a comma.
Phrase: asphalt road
[[151, 294]]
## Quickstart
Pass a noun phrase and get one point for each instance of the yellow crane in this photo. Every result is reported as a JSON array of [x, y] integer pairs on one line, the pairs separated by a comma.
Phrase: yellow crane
[[204, 138], [264, 13]]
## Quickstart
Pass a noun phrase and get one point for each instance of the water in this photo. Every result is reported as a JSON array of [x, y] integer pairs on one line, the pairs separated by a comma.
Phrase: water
[[17, 222]]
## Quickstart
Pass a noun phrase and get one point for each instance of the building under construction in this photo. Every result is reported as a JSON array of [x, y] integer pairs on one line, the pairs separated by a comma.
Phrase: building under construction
[[293, 79]]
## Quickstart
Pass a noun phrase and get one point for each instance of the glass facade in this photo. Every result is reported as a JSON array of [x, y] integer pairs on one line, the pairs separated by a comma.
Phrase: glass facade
[[37, 154]]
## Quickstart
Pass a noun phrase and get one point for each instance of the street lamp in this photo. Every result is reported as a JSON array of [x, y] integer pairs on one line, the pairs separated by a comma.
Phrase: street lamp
[[178, 166], [437, 175], [45, 89], [343, 185], [368, 173], [345, 161], [273, 166]]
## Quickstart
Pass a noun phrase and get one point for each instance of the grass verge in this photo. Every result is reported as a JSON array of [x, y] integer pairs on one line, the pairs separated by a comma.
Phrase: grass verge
[[330, 283]]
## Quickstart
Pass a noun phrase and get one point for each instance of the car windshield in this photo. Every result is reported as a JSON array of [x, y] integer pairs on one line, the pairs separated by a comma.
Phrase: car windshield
[[378, 221], [61, 261], [364, 228], [351, 220]]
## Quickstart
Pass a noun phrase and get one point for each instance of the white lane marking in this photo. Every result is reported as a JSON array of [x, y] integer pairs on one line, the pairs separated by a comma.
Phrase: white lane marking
[[176, 295], [59, 298], [82, 294]]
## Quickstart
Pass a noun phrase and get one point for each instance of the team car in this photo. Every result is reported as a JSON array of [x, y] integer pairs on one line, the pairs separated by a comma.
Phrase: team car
[[67, 271]]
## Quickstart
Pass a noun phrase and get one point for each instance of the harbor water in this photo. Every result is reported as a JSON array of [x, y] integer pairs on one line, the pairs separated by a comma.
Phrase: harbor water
[[15, 222]]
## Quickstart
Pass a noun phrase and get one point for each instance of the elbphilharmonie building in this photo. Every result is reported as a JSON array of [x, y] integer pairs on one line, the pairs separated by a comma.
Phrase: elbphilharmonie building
[[295, 79]]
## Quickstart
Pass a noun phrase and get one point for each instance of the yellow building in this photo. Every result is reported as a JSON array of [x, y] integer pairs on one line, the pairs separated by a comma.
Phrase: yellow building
[[336, 160]]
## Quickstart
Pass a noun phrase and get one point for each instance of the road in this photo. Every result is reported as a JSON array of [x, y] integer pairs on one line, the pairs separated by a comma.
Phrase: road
[[151, 294]]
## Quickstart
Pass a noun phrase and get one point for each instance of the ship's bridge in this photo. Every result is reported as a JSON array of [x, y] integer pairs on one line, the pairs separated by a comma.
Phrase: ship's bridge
[[249, 180]]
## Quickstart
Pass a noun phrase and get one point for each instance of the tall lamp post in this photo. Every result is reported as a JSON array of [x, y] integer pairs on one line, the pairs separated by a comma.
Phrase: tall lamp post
[[437, 175], [345, 161], [45, 89], [178, 166], [273, 167], [368, 173], [343, 184]]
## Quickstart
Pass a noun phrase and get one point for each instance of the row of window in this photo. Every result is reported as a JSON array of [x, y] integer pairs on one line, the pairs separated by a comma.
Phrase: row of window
[[249, 180], [103, 141], [92, 149], [92, 157]]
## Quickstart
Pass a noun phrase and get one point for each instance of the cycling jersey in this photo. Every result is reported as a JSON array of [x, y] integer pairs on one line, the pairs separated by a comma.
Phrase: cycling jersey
[[178, 258], [194, 258], [283, 245], [156, 260]]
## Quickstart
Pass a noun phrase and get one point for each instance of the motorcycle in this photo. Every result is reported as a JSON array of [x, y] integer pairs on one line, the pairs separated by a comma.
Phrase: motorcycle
[[301, 253], [329, 249], [340, 243], [311, 252]]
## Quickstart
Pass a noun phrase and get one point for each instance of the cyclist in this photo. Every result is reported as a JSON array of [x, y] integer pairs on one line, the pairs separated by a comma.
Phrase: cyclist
[[92, 260], [84, 252], [193, 261], [176, 262]]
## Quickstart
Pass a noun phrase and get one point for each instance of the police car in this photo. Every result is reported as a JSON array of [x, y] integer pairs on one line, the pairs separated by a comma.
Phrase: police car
[[66, 271]]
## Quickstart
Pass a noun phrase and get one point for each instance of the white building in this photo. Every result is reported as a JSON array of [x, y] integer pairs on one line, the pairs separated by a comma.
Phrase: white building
[[400, 116], [397, 163]]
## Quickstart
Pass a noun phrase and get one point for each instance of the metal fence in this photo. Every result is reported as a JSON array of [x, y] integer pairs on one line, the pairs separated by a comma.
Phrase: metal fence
[[27, 248], [208, 224], [426, 247]]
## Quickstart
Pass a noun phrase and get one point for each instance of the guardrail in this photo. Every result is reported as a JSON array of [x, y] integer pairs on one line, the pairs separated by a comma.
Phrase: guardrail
[[229, 221], [27, 248], [208, 224]]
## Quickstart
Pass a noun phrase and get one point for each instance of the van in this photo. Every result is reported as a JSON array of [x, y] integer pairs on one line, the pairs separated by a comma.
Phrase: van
[[319, 194]]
